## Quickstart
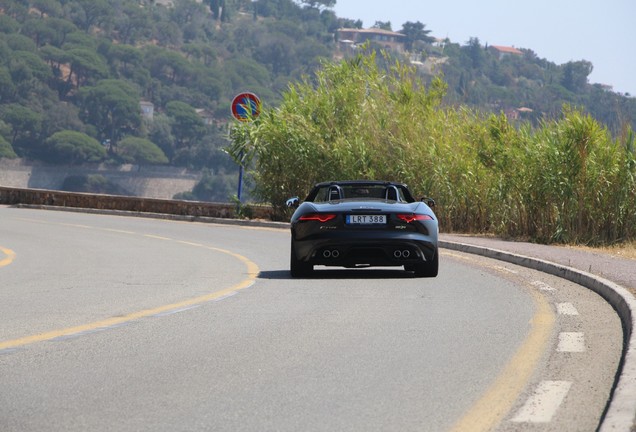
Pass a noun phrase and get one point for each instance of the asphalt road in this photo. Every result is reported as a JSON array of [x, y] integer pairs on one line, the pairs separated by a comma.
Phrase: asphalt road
[[116, 323]]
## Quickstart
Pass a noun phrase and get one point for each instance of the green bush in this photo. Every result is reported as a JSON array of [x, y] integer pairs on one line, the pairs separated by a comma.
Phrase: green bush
[[6, 151], [74, 148], [213, 187], [140, 151]]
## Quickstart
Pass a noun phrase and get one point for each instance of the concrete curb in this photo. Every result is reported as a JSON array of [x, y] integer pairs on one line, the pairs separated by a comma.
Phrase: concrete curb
[[620, 414]]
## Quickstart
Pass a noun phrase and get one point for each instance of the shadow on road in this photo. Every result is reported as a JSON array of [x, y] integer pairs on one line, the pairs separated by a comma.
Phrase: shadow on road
[[330, 274]]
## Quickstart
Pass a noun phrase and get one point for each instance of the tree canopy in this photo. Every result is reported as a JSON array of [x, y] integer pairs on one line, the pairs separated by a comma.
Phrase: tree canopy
[[74, 148], [112, 106], [140, 151]]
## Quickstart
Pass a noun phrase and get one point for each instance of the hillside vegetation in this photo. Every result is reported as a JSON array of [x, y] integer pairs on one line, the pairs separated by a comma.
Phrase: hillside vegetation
[[80, 68], [85, 66], [73, 74]]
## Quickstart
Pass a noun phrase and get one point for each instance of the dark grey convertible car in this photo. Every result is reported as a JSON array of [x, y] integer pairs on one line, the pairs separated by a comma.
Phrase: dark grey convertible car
[[363, 223]]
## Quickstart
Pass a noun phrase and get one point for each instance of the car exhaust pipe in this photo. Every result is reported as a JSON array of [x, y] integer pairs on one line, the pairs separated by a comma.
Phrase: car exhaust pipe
[[404, 254], [327, 253]]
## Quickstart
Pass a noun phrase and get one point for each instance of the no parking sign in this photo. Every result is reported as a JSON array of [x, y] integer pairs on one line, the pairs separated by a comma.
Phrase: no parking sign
[[246, 106]]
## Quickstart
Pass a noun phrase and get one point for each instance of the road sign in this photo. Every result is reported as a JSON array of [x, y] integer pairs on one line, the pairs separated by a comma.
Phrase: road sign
[[246, 106]]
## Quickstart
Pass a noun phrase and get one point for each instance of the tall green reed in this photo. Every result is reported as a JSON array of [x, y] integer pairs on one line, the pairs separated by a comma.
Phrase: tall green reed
[[568, 180]]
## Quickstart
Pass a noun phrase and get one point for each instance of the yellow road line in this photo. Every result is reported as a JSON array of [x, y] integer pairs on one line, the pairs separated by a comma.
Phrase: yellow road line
[[109, 322], [9, 257], [252, 273], [491, 408], [485, 413]]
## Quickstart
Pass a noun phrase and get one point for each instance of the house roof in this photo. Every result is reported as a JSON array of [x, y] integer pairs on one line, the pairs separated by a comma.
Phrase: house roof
[[204, 112], [506, 49], [372, 31]]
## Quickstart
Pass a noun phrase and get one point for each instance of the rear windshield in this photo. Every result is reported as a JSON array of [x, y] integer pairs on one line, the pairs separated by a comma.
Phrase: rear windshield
[[379, 192]]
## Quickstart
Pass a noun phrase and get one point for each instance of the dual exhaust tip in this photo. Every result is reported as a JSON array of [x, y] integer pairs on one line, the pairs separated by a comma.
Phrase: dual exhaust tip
[[334, 253], [402, 254]]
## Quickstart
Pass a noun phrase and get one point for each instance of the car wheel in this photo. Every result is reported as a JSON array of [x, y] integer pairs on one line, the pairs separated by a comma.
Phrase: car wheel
[[427, 268], [297, 267]]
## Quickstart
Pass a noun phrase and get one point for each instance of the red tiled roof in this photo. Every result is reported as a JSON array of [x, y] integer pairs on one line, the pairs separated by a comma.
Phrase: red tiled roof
[[372, 31], [506, 50]]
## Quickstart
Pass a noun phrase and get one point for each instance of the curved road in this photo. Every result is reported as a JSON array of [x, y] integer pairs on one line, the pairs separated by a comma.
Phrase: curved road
[[117, 323]]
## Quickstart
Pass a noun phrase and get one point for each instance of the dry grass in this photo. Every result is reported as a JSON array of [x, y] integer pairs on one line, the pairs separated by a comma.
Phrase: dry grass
[[625, 250]]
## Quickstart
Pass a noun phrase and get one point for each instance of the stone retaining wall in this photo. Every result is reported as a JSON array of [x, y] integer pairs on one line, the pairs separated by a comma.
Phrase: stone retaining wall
[[42, 197], [162, 182]]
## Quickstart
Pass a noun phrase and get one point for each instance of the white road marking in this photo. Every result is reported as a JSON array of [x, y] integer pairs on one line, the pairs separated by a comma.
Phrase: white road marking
[[223, 297], [542, 286], [544, 403], [506, 269], [571, 342], [175, 311], [566, 309]]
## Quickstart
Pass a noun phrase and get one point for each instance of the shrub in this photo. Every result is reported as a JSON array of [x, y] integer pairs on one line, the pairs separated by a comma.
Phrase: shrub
[[74, 148], [140, 151], [6, 151]]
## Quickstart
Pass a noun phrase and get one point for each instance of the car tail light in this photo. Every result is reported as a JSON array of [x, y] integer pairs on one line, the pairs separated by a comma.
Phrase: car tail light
[[319, 217], [408, 218]]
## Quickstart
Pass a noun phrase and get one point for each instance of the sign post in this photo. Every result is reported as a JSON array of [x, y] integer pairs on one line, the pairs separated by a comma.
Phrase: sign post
[[246, 107]]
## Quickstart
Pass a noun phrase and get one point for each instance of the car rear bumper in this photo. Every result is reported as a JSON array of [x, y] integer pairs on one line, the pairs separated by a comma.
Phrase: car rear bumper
[[350, 252]]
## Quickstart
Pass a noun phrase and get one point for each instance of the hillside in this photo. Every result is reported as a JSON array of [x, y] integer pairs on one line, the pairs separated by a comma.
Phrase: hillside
[[74, 75]]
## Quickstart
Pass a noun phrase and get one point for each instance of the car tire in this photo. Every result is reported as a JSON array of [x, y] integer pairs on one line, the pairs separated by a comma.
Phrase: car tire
[[427, 268], [297, 267]]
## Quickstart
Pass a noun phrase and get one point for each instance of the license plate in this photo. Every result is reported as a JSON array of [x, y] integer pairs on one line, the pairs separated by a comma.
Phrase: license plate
[[366, 219]]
